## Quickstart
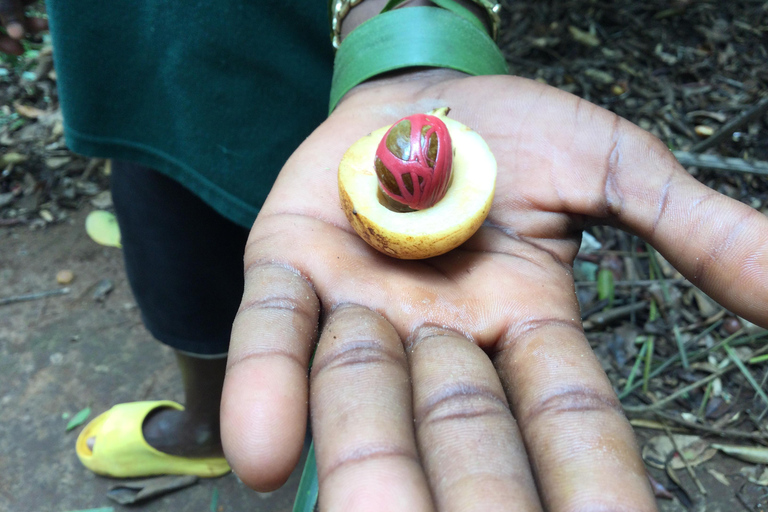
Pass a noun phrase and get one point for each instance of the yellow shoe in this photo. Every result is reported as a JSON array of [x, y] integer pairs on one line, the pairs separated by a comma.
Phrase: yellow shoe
[[121, 450]]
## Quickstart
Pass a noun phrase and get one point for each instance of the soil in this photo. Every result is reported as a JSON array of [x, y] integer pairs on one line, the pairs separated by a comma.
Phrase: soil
[[684, 70], [63, 353]]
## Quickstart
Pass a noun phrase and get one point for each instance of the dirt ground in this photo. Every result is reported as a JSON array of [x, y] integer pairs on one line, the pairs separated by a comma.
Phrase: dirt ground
[[63, 353]]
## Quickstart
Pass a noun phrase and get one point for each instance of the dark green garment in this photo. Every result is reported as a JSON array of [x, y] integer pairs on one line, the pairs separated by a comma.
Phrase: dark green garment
[[216, 94]]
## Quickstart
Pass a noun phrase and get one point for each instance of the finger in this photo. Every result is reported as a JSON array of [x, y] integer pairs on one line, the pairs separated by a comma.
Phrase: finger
[[580, 444], [470, 444], [718, 243], [264, 401], [362, 419]]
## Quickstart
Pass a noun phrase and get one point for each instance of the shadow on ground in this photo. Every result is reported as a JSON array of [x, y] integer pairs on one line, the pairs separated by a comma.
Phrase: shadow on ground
[[63, 353]]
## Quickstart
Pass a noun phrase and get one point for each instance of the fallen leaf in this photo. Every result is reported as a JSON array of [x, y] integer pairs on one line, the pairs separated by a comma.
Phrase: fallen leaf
[[758, 455], [102, 227], [12, 158], [79, 418], [589, 243], [719, 476], [585, 38], [55, 162], [102, 200], [46, 216], [659, 452], [689, 417], [28, 111], [703, 130], [756, 474]]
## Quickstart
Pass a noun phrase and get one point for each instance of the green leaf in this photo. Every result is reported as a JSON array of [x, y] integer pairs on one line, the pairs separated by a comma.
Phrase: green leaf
[[462, 11], [449, 5], [78, 419], [102, 227], [306, 496], [605, 286]]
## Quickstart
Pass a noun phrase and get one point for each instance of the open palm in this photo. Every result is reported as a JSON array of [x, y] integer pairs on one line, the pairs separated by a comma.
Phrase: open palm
[[465, 381]]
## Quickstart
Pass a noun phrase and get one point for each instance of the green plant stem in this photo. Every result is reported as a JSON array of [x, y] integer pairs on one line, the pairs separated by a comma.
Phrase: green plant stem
[[745, 371], [648, 360], [306, 496], [686, 389], [697, 355], [703, 406], [638, 360]]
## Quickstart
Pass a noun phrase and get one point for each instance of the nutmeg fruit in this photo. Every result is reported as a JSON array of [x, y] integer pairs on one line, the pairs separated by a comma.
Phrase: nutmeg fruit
[[379, 215]]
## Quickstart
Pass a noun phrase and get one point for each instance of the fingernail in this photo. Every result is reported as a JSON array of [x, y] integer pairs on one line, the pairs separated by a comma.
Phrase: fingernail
[[15, 30]]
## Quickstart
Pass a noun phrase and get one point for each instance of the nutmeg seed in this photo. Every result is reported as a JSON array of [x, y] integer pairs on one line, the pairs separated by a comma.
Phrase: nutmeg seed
[[414, 160]]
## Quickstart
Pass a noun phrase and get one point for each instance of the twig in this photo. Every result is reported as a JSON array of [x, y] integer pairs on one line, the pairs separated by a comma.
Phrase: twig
[[637, 282], [610, 315], [688, 159], [12, 222], [33, 296], [724, 433], [728, 128]]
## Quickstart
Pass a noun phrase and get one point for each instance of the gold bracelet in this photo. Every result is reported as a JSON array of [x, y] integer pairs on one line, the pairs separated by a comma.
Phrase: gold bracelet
[[492, 9], [340, 9]]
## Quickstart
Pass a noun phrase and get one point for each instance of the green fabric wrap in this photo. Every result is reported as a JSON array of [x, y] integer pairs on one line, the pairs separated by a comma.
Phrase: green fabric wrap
[[413, 36], [216, 94]]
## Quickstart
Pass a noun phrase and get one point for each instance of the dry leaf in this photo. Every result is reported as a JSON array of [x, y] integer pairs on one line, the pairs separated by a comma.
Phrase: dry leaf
[[28, 111], [757, 455], [46, 216], [12, 158], [719, 476], [659, 452], [756, 474], [585, 38]]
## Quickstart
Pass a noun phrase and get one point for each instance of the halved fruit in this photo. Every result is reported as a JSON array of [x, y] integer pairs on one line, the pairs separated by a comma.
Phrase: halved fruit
[[423, 233]]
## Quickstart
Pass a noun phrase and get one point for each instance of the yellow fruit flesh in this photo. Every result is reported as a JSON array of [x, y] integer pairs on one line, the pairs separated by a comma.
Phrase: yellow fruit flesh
[[429, 232]]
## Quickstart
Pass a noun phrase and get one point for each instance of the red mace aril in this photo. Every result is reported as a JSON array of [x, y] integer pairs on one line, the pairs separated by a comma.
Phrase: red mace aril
[[414, 160]]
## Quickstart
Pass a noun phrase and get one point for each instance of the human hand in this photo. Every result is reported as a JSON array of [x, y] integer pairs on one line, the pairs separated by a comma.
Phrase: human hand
[[16, 24], [465, 382]]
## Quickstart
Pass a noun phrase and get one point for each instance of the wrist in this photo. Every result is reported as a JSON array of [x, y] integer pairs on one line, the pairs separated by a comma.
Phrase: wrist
[[446, 36]]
